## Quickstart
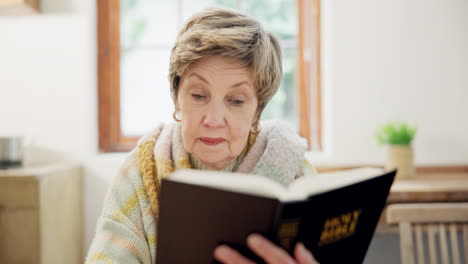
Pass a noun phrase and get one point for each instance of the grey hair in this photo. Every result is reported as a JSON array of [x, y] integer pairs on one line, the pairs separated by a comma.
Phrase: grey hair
[[226, 32]]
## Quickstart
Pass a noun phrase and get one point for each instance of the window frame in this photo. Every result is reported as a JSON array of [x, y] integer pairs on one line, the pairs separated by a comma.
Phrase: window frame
[[308, 85]]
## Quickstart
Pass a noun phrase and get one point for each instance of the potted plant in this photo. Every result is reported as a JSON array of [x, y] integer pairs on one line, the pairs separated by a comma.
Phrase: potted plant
[[397, 136]]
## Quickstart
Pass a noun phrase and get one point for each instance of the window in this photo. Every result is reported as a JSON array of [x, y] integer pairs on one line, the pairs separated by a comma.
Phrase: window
[[135, 38]]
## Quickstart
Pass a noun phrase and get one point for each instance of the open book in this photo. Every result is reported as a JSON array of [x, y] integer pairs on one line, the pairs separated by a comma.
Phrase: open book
[[333, 214]]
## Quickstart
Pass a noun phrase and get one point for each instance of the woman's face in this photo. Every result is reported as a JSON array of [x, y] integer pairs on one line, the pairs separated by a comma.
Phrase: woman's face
[[217, 104]]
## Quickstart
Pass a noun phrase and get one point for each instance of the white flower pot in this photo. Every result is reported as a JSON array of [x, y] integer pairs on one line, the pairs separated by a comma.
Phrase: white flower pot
[[401, 157]]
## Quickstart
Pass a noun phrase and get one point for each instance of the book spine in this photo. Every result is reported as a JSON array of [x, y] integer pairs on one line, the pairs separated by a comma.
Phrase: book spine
[[287, 222], [277, 215]]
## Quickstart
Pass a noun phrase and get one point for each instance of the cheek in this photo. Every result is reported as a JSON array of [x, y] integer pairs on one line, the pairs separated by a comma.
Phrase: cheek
[[240, 133], [241, 129], [241, 124], [190, 121], [187, 135]]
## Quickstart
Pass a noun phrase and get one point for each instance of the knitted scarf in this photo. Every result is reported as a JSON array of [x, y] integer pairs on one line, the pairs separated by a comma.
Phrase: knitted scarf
[[276, 153]]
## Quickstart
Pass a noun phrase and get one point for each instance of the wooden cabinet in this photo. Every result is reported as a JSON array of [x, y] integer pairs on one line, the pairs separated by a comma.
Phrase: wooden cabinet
[[41, 214]]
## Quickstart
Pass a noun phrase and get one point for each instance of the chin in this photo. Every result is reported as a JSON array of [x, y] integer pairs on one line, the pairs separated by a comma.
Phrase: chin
[[213, 160]]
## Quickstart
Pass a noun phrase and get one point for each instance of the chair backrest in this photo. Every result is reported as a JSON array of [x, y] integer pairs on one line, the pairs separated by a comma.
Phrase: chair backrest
[[440, 223]]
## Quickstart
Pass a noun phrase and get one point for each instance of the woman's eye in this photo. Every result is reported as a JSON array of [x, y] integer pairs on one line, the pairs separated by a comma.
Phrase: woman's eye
[[198, 96], [237, 102]]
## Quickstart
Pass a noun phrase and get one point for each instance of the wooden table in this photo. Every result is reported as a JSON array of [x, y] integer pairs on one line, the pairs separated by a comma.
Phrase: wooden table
[[426, 188], [431, 187]]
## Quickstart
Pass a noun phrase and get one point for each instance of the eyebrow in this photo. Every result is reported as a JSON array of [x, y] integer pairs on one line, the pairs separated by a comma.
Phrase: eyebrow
[[207, 82]]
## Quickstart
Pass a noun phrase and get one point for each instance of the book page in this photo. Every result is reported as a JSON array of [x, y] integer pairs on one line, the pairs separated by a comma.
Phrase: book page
[[235, 182], [306, 186], [258, 185]]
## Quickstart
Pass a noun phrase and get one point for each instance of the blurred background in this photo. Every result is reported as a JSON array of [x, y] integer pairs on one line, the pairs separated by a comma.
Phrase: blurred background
[[349, 66]]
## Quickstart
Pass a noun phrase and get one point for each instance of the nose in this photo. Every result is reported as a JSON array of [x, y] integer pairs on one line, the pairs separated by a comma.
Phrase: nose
[[215, 115]]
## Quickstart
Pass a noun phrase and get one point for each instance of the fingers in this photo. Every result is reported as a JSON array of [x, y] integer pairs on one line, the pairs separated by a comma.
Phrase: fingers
[[265, 249], [303, 256], [228, 255], [271, 253]]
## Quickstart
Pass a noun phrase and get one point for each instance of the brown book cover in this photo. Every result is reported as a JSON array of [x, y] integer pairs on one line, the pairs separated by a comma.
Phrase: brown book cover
[[336, 225]]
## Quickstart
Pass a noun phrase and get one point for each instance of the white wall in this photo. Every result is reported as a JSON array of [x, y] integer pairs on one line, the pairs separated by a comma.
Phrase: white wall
[[386, 60], [382, 60], [48, 93]]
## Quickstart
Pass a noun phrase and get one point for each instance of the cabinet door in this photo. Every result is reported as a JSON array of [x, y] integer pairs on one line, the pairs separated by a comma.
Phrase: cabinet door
[[19, 235], [19, 220]]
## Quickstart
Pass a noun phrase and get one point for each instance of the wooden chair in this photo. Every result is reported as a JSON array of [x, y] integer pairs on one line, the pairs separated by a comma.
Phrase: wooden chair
[[439, 222]]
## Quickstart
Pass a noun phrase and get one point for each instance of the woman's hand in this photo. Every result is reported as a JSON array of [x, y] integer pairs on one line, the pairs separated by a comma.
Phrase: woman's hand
[[270, 252]]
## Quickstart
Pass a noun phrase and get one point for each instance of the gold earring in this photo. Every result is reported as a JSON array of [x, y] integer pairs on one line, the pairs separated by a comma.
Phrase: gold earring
[[174, 115], [255, 129]]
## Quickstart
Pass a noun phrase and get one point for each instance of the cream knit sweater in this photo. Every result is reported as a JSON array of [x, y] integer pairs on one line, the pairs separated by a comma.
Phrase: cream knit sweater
[[127, 229]]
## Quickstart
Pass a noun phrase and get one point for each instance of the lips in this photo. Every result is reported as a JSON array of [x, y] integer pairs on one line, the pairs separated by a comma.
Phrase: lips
[[212, 141]]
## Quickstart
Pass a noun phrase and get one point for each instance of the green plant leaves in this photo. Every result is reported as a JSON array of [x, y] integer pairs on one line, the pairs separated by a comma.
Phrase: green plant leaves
[[395, 133]]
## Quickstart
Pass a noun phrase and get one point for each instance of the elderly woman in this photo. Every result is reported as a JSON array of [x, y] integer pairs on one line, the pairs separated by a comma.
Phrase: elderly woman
[[224, 68]]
